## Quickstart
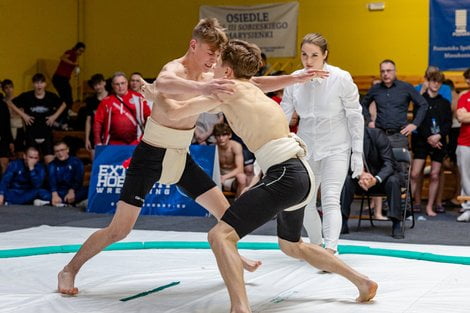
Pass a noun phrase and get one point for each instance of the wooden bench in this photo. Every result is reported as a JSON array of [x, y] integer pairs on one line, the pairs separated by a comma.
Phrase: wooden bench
[[364, 82]]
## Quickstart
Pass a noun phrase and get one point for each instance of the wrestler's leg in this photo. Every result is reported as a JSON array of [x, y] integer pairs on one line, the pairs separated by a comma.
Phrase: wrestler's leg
[[215, 202], [120, 226], [321, 259], [223, 240], [312, 221]]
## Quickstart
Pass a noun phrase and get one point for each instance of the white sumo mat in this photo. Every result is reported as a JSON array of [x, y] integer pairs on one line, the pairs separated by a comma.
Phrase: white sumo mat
[[28, 284]]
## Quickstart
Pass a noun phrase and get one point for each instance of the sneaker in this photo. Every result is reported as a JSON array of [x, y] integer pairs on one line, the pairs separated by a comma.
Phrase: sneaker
[[39, 202], [464, 217], [60, 205]]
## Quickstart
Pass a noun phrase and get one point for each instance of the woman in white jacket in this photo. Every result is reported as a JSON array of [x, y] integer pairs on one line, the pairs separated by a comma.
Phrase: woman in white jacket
[[332, 125]]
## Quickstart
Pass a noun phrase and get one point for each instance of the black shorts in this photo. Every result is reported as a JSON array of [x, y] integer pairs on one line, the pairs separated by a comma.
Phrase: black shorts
[[44, 145], [248, 157], [284, 185], [146, 169], [421, 149], [4, 149]]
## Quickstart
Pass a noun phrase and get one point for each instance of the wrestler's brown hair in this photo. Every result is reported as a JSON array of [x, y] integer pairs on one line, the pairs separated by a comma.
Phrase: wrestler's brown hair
[[317, 40], [222, 129], [243, 57], [435, 77], [209, 31]]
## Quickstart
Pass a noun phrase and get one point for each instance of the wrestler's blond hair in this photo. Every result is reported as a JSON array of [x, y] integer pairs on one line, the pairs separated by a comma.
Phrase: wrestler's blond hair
[[209, 31], [244, 58]]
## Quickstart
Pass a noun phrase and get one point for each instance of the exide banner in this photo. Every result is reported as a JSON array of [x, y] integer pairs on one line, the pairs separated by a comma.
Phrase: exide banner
[[107, 180]]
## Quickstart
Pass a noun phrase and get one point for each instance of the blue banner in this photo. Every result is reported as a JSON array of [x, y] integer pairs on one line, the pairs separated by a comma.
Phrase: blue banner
[[107, 179], [449, 39]]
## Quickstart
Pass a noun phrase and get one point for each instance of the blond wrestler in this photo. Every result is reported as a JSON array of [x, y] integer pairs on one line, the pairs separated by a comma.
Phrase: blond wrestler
[[162, 155], [284, 190]]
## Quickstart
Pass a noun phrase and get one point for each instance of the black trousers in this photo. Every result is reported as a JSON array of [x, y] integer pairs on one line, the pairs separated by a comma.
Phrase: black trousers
[[390, 187]]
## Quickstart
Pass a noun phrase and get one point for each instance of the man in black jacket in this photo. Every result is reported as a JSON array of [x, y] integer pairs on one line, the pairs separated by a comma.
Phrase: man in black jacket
[[380, 175]]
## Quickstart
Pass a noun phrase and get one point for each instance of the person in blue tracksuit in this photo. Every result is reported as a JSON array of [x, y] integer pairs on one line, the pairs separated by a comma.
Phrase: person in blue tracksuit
[[65, 177], [23, 179]]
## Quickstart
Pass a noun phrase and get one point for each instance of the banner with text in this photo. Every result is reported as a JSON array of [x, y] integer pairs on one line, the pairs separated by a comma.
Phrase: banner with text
[[273, 27], [107, 180], [449, 46]]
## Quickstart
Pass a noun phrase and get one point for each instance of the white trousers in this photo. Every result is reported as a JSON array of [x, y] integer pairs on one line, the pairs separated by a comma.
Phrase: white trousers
[[330, 174], [463, 162]]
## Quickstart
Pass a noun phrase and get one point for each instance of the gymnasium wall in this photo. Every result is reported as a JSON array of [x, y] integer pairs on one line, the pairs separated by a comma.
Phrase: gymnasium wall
[[143, 35]]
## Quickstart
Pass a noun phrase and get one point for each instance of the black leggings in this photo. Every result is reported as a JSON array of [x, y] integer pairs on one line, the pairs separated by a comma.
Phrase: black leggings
[[284, 185]]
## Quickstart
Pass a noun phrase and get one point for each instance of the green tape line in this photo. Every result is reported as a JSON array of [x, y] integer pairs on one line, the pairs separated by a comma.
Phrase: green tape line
[[424, 256], [146, 293]]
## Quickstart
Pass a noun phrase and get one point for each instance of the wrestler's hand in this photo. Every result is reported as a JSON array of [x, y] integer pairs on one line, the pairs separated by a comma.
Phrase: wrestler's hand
[[2, 199], [215, 86], [357, 164], [308, 74], [147, 90]]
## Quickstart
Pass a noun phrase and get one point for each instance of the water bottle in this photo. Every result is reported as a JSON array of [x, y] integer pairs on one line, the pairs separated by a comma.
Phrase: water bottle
[[434, 127]]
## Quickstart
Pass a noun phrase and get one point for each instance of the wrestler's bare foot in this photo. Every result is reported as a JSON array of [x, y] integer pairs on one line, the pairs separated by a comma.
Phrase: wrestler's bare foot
[[250, 265], [66, 281], [367, 290]]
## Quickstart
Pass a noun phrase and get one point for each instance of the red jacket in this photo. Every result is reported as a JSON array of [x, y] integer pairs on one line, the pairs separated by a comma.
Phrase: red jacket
[[119, 124]]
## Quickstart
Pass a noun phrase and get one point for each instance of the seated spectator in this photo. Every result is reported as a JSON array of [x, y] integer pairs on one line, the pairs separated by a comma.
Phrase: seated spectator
[[98, 83], [231, 160], [41, 109], [380, 175], [120, 118], [135, 83], [203, 133], [65, 177], [22, 181], [431, 139]]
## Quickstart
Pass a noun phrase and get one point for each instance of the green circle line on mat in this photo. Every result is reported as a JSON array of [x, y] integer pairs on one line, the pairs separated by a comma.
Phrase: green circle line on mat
[[342, 249]]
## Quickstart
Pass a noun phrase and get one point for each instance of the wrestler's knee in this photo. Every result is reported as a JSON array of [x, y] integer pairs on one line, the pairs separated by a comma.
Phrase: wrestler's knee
[[222, 232], [292, 249]]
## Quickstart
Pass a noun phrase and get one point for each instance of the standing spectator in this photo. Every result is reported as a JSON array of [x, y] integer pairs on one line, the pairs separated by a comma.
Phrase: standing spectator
[[16, 123], [431, 139], [332, 126], [65, 177], [463, 148], [120, 118], [392, 98], [22, 181], [6, 139], [445, 91], [41, 110], [98, 83], [135, 82], [61, 79], [230, 159]]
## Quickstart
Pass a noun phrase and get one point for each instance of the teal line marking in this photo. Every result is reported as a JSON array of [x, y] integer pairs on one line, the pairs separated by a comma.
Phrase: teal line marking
[[146, 293], [346, 249]]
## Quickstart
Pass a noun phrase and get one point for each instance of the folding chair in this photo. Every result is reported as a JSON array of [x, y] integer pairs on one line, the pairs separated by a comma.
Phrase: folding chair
[[403, 157]]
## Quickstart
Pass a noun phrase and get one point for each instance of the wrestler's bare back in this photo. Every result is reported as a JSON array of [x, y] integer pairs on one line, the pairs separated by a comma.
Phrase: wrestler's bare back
[[178, 68]]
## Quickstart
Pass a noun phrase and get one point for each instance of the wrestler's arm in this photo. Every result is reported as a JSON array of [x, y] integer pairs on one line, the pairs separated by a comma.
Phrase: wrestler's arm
[[273, 83], [172, 81], [176, 110]]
